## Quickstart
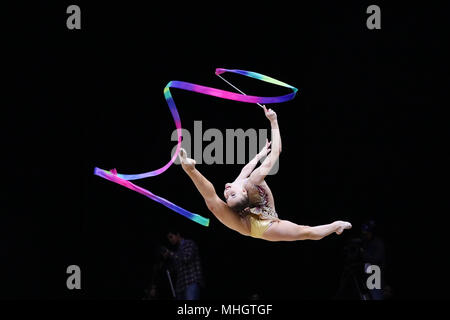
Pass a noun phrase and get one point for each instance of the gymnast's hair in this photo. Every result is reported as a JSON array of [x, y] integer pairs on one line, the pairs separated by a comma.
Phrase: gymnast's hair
[[241, 205]]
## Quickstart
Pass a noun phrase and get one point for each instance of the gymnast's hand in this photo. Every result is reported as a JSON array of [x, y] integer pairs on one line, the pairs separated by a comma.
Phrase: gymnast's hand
[[186, 163], [264, 151], [270, 114]]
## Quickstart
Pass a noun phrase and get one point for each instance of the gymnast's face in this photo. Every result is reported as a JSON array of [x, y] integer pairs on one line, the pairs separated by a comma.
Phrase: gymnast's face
[[234, 194]]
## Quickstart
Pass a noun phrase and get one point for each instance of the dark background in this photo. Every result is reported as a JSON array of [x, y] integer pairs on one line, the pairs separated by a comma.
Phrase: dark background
[[364, 138]]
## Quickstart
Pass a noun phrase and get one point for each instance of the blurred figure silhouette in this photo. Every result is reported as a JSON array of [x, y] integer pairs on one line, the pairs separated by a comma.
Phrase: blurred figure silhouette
[[352, 282], [161, 286], [373, 253], [185, 260], [359, 254]]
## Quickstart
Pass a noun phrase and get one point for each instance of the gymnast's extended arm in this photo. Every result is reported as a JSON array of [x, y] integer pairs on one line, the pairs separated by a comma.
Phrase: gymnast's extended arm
[[248, 168]]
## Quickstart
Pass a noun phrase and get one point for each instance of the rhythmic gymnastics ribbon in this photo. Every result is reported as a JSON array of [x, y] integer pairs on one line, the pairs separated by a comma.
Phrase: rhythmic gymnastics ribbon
[[124, 179]]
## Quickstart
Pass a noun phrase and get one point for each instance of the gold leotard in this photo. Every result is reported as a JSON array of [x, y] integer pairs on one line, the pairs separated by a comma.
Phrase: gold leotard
[[261, 216]]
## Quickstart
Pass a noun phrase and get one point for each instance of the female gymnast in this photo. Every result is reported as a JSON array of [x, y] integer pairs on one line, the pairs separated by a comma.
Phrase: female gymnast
[[250, 208]]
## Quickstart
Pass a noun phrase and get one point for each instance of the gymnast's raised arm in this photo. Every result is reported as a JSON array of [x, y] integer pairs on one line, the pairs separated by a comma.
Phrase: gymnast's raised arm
[[263, 170], [248, 168], [216, 205]]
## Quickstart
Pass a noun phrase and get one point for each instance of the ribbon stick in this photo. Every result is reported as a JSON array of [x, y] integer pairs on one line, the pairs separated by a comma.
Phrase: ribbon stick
[[124, 179]]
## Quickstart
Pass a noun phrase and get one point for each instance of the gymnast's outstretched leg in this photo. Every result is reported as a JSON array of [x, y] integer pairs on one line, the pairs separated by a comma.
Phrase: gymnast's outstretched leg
[[284, 230]]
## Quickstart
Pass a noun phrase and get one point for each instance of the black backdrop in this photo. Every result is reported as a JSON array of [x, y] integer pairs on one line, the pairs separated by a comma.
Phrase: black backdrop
[[363, 139]]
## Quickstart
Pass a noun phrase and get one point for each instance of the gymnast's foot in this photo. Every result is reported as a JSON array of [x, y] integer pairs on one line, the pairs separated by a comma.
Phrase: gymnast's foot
[[186, 163], [341, 226]]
